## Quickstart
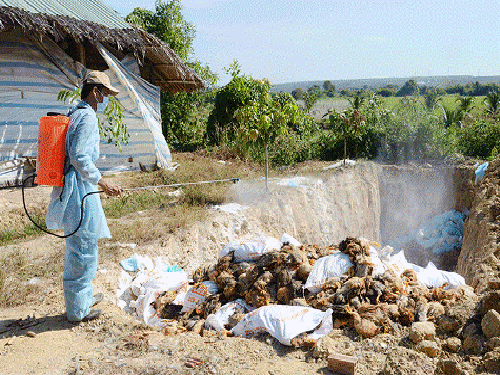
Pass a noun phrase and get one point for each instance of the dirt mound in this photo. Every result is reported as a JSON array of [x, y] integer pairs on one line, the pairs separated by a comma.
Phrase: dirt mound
[[479, 260]]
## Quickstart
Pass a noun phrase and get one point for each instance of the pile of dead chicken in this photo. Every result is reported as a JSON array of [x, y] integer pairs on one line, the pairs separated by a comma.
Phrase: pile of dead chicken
[[386, 303]]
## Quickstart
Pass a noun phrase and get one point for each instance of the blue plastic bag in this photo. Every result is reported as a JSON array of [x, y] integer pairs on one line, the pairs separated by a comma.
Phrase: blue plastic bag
[[480, 171]]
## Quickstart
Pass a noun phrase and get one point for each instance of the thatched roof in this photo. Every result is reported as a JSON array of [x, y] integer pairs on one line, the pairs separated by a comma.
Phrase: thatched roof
[[159, 63]]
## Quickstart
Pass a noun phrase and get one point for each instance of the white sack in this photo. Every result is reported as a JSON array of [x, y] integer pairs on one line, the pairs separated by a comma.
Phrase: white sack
[[287, 238], [282, 322], [432, 277], [251, 250], [218, 320], [325, 327], [397, 263], [146, 287], [196, 295], [325, 268]]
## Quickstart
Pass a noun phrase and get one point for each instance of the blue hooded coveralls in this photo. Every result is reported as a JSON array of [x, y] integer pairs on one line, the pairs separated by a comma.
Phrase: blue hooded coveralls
[[82, 176]]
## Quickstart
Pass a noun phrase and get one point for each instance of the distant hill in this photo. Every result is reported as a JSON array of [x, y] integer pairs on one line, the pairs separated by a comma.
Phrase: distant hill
[[376, 83]]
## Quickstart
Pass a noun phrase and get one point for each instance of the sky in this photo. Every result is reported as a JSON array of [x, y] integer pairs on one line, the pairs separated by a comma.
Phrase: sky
[[292, 41]]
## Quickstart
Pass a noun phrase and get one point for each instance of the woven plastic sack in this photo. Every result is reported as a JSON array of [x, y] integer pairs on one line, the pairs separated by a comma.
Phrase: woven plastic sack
[[325, 268], [282, 322], [218, 320], [250, 250]]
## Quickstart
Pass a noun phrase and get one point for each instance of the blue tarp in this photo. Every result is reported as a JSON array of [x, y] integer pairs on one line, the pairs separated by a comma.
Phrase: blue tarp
[[480, 171], [443, 233]]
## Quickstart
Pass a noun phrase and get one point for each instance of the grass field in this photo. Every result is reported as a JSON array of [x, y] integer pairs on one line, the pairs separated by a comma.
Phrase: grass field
[[339, 104]]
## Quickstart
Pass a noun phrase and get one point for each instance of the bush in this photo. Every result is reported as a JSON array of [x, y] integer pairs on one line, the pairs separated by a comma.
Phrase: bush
[[406, 136], [184, 121], [289, 150], [239, 92], [479, 140]]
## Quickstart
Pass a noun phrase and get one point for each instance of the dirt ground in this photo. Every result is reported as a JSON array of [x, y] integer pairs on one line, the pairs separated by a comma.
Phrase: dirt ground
[[36, 338]]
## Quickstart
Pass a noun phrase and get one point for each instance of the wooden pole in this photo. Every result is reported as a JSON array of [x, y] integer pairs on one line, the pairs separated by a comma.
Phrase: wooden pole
[[267, 167], [81, 53]]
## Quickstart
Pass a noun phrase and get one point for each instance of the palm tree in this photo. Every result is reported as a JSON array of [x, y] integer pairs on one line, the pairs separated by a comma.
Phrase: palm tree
[[492, 101], [466, 103], [358, 101], [451, 116]]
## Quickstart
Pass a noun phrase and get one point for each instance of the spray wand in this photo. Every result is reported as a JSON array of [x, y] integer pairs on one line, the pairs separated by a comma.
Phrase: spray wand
[[151, 187]]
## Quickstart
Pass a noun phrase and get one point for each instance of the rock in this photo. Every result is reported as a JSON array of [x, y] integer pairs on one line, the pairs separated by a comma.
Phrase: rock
[[491, 324], [431, 348], [473, 340], [365, 328], [327, 344], [435, 309], [453, 344], [473, 344], [235, 319], [31, 334], [494, 343], [457, 315], [449, 367], [170, 330], [398, 361], [490, 301], [494, 283], [447, 323], [492, 361], [420, 331]]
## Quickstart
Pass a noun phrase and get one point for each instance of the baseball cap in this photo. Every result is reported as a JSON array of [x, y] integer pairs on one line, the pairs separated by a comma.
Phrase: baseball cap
[[100, 78]]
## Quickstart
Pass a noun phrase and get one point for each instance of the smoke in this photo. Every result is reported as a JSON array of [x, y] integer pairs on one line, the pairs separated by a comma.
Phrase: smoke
[[411, 196]]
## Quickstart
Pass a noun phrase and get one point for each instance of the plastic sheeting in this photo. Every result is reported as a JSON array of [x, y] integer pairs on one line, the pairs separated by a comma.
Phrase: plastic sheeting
[[32, 74], [443, 233], [481, 171]]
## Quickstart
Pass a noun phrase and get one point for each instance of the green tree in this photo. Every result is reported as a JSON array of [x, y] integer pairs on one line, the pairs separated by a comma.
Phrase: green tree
[[451, 115], [431, 98], [298, 93], [310, 99], [347, 123], [265, 118], [315, 89], [466, 103], [182, 113], [409, 88], [357, 101], [387, 91], [222, 123], [168, 24], [492, 101], [329, 88]]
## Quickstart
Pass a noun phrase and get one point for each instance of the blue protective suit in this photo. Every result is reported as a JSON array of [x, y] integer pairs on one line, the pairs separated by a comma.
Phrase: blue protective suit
[[81, 177]]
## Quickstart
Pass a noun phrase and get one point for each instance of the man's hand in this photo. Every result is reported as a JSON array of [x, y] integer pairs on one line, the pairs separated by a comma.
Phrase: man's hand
[[111, 190]]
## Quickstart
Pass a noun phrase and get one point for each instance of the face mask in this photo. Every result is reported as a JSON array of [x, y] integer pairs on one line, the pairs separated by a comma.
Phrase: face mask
[[102, 106]]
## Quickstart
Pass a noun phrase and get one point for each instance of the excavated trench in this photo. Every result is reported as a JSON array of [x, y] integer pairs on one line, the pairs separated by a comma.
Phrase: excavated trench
[[378, 202]]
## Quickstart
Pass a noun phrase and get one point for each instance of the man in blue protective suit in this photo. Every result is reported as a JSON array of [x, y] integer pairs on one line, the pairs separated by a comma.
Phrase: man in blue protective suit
[[64, 211]]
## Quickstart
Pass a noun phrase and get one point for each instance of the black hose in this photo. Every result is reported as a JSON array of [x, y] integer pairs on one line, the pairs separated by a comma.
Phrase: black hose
[[234, 180], [45, 230]]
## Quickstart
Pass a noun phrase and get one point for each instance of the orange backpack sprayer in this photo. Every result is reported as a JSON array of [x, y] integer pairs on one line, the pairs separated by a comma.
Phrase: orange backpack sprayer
[[51, 158], [51, 150]]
